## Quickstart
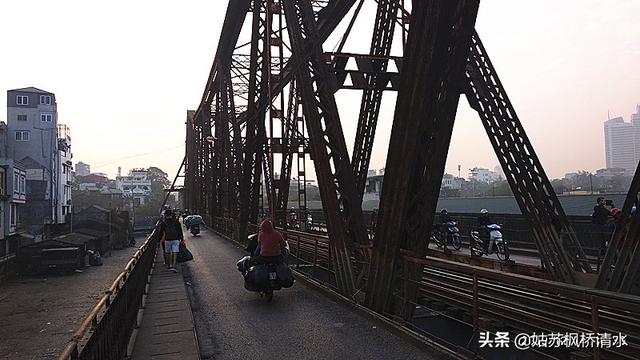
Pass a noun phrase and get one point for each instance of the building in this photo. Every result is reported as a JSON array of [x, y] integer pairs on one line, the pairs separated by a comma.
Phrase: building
[[135, 185], [610, 173], [12, 195], [451, 182], [484, 175], [82, 169], [570, 176], [34, 139], [65, 176], [622, 142]]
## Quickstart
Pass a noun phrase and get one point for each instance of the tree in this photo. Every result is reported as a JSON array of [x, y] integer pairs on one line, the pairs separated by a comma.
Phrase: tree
[[159, 181], [499, 188], [559, 186]]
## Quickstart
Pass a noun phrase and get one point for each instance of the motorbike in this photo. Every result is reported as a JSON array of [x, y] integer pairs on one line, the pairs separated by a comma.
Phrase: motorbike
[[195, 229], [309, 222], [451, 235], [264, 278], [499, 246]]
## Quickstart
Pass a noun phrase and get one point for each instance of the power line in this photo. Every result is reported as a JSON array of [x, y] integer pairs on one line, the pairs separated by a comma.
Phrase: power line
[[160, 151]]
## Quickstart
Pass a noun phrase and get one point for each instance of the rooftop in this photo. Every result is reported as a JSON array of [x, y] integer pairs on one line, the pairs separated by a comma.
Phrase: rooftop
[[32, 89]]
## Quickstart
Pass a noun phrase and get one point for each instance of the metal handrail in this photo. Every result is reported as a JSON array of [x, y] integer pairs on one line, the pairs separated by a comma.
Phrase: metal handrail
[[101, 311]]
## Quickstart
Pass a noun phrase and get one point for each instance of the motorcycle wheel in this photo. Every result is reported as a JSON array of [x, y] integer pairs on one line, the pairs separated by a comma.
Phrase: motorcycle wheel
[[503, 251], [456, 242], [435, 236]]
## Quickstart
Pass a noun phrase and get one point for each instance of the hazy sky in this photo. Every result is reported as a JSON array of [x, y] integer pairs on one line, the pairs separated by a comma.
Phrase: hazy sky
[[125, 72]]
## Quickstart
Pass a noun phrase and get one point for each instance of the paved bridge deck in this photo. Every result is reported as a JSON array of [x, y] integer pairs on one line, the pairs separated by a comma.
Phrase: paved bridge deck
[[300, 323]]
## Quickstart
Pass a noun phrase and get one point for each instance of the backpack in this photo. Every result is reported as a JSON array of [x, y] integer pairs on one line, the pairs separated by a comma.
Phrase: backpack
[[170, 231]]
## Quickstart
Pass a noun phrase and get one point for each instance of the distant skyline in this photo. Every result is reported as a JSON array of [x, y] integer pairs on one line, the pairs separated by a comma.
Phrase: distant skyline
[[125, 73]]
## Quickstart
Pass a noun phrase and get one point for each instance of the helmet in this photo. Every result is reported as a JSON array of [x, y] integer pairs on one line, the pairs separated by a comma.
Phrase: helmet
[[168, 214], [443, 211], [484, 211]]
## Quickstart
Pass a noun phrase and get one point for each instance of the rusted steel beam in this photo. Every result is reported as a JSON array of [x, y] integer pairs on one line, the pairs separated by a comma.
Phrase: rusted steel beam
[[331, 159], [373, 83], [620, 269], [234, 19], [558, 245], [259, 68], [290, 143], [436, 53], [368, 66], [190, 161]]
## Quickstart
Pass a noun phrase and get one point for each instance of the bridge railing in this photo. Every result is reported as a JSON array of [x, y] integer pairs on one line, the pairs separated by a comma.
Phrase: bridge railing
[[523, 304], [105, 332]]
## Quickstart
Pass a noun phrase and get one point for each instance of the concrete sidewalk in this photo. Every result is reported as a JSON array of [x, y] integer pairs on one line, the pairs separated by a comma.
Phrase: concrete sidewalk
[[167, 330]]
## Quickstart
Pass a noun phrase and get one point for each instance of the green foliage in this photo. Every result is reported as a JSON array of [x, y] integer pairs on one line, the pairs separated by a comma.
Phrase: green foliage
[[159, 181]]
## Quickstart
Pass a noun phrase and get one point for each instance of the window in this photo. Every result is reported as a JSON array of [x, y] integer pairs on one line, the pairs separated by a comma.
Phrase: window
[[22, 117], [46, 117], [14, 215], [45, 99], [22, 100], [22, 136], [3, 190], [22, 183], [16, 187]]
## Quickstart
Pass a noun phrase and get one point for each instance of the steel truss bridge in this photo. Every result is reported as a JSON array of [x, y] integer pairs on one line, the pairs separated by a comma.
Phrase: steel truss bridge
[[268, 116]]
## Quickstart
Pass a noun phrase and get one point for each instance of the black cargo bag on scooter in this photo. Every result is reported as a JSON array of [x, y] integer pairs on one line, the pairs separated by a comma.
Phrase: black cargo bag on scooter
[[285, 276], [257, 278]]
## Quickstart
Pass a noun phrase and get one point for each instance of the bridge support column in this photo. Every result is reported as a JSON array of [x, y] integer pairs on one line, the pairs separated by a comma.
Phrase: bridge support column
[[431, 75]]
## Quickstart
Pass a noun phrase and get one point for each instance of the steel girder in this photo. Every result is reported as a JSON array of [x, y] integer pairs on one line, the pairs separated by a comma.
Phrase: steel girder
[[435, 56], [557, 243], [555, 238], [191, 157], [317, 86], [329, 15], [620, 269], [292, 142], [372, 96], [368, 67], [259, 69]]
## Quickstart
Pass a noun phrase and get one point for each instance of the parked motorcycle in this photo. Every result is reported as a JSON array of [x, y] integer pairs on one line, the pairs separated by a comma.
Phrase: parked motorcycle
[[450, 236], [498, 245]]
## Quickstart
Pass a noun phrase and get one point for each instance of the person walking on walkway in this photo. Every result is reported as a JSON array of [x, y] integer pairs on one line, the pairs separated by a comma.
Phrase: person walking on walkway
[[171, 231]]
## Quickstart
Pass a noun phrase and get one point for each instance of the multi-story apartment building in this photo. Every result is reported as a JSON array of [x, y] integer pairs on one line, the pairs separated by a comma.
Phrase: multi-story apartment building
[[622, 142], [82, 169], [135, 185], [33, 140], [12, 194], [65, 178], [483, 175]]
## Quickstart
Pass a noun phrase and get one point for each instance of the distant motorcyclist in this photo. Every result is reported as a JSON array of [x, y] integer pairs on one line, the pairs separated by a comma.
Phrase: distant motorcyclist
[[600, 212], [483, 221], [444, 219]]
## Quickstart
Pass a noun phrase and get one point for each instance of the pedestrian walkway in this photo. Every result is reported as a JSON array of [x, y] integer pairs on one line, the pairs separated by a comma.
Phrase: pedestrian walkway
[[167, 330]]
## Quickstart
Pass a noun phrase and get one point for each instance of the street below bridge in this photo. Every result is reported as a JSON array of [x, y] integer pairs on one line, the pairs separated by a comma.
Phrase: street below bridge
[[300, 323]]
